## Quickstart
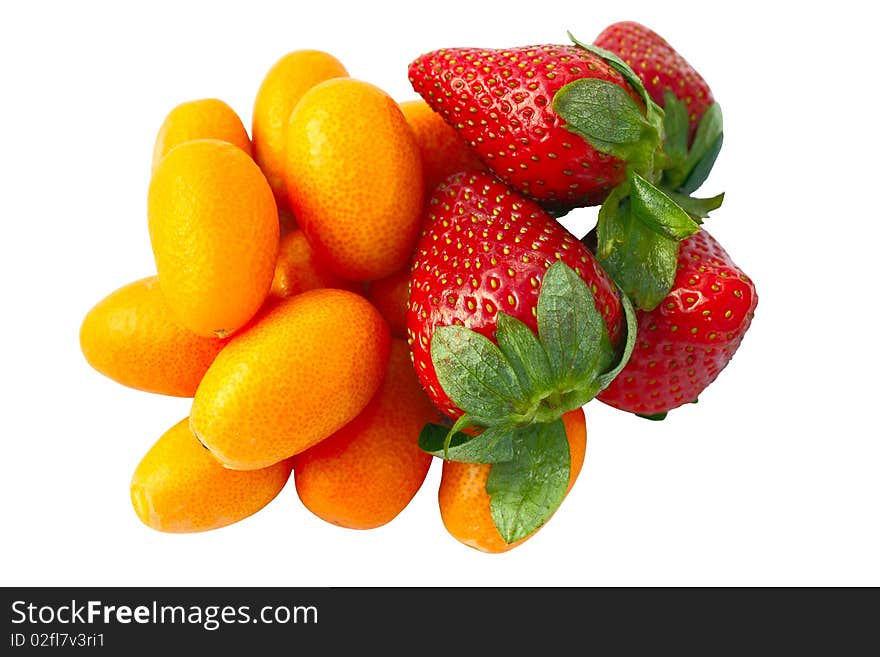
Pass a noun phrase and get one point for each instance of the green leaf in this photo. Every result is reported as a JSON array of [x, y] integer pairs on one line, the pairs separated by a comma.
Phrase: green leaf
[[705, 149], [525, 491], [637, 234], [653, 112], [525, 354], [464, 422], [610, 232], [493, 445], [475, 375], [571, 329], [606, 116], [703, 167], [629, 314], [676, 127], [633, 80], [601, 110], [657, 211], [688, 168], [640, 260], [697, 208]]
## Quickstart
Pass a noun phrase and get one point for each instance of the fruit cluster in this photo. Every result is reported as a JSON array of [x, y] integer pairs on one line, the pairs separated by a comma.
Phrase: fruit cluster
[[361, 285]]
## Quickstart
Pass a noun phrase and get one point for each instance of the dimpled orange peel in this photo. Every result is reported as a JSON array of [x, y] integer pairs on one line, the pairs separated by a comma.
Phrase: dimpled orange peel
[[179, 487], [366, 473], [305, 369], [131, 337], [443, 150], [214, 233], [354, 178], [298, 270], [283, 85], [205, 118]]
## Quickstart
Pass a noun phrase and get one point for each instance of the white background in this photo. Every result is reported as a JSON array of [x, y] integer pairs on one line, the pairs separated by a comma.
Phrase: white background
[[772, 479]]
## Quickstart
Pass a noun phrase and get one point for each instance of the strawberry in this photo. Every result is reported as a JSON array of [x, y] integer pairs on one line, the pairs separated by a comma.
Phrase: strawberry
[[683, 344], [574, 125], [502, 102], [511, 323], [692, 121], [483, 253], [659, 66]]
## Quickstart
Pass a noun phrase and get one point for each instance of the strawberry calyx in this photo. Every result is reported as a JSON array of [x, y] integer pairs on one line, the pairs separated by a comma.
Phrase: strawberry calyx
[[526, 490], [608, 117], [689, 167], [638, 233], [522, 378], [643, 219], [529, 473]]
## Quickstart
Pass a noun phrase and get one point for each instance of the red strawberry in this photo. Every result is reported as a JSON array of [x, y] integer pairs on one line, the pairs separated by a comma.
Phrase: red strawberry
[[484, 252], [684, 343], [659, 67], [502, 102], [511, 323], [574, 125]]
